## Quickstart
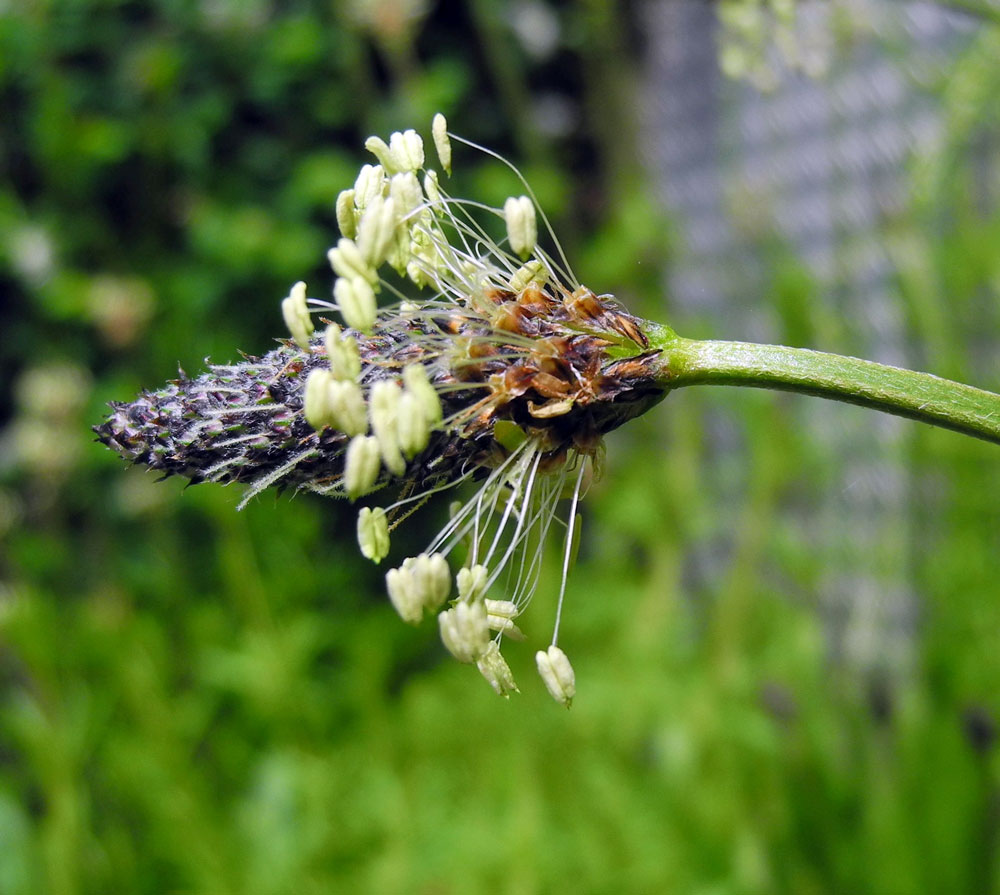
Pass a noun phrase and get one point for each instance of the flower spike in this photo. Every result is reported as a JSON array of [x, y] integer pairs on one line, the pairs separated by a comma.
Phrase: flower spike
[[499, 381]]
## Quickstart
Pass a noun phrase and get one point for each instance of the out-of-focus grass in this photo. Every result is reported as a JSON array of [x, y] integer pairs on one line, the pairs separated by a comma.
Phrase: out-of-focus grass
[[199, 700]]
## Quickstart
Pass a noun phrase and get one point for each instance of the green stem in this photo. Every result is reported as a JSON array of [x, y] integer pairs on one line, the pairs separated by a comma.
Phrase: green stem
[[919, 396]]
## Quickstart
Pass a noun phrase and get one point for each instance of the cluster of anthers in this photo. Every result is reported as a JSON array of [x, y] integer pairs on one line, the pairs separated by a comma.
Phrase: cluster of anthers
[[506, 376]]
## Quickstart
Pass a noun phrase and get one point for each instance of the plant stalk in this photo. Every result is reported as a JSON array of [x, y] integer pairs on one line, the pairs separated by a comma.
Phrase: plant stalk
[[918, 396]]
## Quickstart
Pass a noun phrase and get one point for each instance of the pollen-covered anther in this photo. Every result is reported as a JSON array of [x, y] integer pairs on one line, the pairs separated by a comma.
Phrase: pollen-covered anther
[[296, 314], [362, 463], [557, 674], [356, 300], [493, 666], [465, 631], [342, 353], [522, 227], [373, 533]]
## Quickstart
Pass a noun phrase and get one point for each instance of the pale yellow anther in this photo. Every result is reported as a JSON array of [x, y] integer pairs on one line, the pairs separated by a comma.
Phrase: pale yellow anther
[[432, 188], [362, 463], [348, 262], [296, 314], [384, 411], [493, 666], [373, 533], [403, 594], [405, 192], [421, 583], [532, 272], [433, 578], [439, 131], [417, 275], [347, 215], [557, 674], [380, 149], [356, 300], [471, 583], [500, 615], [522, 228], [376, 230], [316, 406], [342, 353], [413, 429], [407, 150], [346, 403], [464, 630], [418, 384], [505, 626], [503, 608], [370, 183]]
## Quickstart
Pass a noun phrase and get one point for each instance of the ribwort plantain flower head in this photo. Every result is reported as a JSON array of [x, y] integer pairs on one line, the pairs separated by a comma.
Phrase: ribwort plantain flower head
[[489, 370]]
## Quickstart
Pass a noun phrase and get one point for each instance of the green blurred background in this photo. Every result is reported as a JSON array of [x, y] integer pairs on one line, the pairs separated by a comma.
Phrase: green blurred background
[[198, 700]]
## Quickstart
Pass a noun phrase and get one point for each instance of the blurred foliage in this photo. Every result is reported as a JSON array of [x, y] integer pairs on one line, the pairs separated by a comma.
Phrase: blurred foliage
[[195, 700]]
